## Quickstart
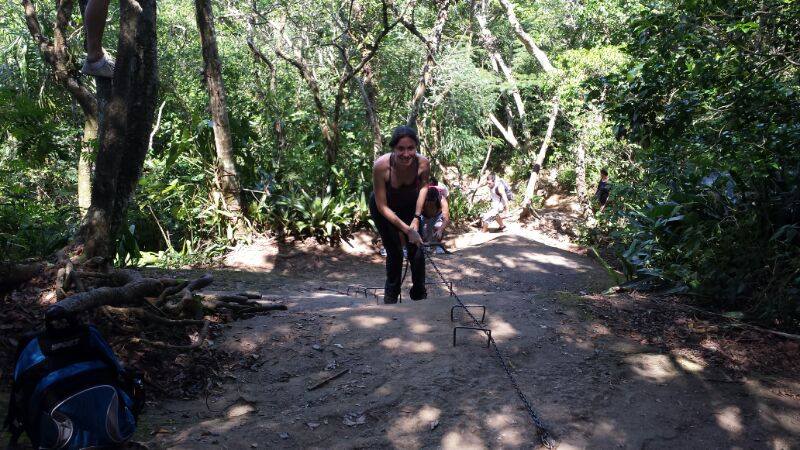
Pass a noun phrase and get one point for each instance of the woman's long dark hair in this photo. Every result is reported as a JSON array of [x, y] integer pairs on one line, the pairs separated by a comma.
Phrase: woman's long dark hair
[[401, 132]]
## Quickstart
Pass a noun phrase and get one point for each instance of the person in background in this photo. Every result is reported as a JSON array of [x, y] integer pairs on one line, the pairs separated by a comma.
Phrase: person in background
[[602, 189], [440, 208], [432, 225], [400, 187], [98, 63], [497, 191]]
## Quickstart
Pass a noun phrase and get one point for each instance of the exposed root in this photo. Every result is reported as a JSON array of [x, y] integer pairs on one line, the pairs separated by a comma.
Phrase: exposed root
[[201, 338]]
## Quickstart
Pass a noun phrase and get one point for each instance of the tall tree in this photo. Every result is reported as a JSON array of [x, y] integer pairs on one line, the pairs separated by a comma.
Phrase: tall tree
[[124, 128], [432, 43], [544, 62], [351, 63], [56, 53], [227, 176], [489, 42]]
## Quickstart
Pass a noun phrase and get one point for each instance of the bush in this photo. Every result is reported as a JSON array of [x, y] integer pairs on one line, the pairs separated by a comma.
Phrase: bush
[[326, 218]]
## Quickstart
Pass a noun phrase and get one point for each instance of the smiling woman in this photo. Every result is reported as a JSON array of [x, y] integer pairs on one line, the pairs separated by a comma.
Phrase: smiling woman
[[400, 184]]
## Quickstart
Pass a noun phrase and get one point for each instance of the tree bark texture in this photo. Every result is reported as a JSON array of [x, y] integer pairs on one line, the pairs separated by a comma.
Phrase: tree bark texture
[[85, 163], [580, 172], [368, 90], [226, 173], [530, 189], [426, 73], [125, 128]]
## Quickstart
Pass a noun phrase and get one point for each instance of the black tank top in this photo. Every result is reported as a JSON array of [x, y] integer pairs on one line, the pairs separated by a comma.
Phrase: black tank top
[[403, 199]]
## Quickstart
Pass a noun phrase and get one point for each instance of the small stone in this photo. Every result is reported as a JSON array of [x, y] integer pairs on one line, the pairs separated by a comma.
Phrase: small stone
[[317, 347], [253, 445], [313, 425], [283, 435]]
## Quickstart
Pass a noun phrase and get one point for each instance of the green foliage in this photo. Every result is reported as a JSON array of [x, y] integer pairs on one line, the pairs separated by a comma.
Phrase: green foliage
[[326, 218], [716, 118], [462, 210]]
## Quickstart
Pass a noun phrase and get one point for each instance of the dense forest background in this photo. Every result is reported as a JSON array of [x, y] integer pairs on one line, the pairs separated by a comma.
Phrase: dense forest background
[[692, 105]]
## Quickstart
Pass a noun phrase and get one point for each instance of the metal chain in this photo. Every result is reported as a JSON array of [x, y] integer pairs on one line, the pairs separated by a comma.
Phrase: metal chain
[[544, 433]]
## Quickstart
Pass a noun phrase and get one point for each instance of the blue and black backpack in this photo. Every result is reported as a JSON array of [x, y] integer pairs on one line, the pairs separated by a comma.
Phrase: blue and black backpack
[[71, 392]]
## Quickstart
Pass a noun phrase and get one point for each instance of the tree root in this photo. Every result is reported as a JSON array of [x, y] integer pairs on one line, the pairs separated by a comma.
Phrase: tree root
[[203, 334], [140, 313]]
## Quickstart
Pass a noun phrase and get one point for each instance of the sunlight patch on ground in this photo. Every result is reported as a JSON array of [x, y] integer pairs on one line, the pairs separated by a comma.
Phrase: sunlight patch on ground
[[365, 321], [412, 347], [552, 259], [652, 367], [729, 419], [418, 327], [461, 440], [405, 430], [599, 329], [610, 431], [780, 444], [503, 424], [501, 330]]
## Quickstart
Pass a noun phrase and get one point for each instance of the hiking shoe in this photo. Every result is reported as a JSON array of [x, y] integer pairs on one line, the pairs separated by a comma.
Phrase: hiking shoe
[[102, 68], [389, 299], [418, 295]]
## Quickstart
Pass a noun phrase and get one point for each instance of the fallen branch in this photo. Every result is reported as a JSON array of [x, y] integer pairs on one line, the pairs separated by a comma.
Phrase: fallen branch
[[131, 294], [172, 290], [327, 380], [203, 334], [143, 314]]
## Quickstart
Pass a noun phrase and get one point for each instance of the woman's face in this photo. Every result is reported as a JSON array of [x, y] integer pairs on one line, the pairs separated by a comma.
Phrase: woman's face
[[405, 151]]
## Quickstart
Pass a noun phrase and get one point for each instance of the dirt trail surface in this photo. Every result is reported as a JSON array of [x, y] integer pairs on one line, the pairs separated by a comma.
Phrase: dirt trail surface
[[402, 384]]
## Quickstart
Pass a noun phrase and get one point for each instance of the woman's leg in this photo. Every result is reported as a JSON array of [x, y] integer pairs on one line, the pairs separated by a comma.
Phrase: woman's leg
[[394, 253], [417, 259], [94, 23]]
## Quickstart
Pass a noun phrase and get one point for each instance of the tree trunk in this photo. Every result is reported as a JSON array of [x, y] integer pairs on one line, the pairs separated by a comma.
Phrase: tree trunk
[[530, 189], [499, 65], [85, 164], [580, 172], [226, 173], [527, 41], [544, 62], [366, 87], [425, 77], [56, 54], [125, 128]]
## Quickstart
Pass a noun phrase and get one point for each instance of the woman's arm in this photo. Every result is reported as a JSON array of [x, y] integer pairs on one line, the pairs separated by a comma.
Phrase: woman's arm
[[379, 188], [445, 212], [424, 173]]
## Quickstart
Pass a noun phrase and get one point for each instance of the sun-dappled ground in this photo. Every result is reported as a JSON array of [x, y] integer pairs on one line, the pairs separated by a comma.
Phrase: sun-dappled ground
[[602, 371]]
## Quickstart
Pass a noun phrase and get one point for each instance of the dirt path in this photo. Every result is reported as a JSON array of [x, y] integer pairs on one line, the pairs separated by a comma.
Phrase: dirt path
[[404, 385]]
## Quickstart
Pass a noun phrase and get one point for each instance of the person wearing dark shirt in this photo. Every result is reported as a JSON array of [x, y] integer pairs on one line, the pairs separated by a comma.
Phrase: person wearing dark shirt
[[603, 189], [400, 186]]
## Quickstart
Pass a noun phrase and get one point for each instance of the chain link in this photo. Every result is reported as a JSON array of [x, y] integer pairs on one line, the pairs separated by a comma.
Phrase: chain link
[[544, 433]]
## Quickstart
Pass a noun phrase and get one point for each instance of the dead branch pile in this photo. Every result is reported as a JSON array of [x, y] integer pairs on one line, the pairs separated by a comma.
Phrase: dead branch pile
[[164, 327]]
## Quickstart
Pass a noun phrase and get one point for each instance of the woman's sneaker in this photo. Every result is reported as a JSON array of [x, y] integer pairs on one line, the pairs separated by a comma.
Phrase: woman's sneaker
[[102, 68], [415, 294]]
